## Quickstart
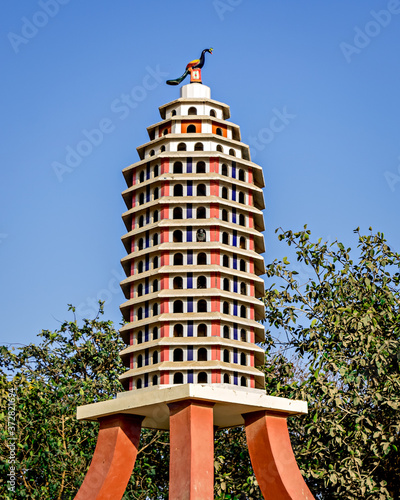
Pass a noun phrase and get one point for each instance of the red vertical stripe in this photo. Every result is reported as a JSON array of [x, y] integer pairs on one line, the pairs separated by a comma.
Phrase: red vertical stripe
[[252, 340], [250, 176], [251, 243], [250, 199], [216, 328], [215, 304], [214, 210], [164, 165]]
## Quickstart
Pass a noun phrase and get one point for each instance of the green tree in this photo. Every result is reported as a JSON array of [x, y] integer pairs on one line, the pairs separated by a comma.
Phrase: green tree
[[341, 354], [72, 366], [342, 329]]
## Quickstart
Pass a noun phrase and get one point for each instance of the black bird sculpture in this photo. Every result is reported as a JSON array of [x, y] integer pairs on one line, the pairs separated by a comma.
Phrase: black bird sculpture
[[196, 64]]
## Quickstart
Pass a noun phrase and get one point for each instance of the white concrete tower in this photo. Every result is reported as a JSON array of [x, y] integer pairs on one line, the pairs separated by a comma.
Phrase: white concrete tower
[[194, 219]]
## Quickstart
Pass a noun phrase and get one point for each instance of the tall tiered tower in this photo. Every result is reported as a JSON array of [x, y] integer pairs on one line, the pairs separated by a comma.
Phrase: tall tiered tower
[[194, 219], [193, 310]]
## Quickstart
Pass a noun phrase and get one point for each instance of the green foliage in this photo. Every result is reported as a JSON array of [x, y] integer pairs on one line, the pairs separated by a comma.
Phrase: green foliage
[[343, 328]]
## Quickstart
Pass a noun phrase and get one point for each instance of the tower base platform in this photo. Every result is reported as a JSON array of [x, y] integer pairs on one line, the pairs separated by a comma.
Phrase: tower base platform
[[229, 404]]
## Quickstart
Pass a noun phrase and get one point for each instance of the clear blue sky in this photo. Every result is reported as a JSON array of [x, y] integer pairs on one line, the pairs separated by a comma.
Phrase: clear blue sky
[[331, 67]]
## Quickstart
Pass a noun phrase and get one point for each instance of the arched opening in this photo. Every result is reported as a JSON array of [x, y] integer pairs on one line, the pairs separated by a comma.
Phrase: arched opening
[[140, 337], [178, 330], [241, 197], [200, 167], [243, 359], [139, 383], [178, 283], [178, 378], [202, 378], [199, 146], [226, 378], [178, 259], [177, 213], [152, 152], [241, 175], [201, 213], [202, 306], [242, 221], [140, 361], [225, 307], [178, 190], [201, 190], [202, 259], [202, 354], [225, 238], [155, 239], [155, 216], [155, 357], [156, 167], [140, 267], [212, 112], [178, 354], [243, 265], [218, 131], [191, 129], [226, 356], [141, 199], [178, 306], [242, 311], [220, 149], [243, 288], [225, 261], [242, 242], [155, 309], [178, 167], [155, 333], [181, 146], [140, 290], [155, 380], [173, 112], [201, 235], [162, 149], [177, 236], [192, 111], [140, 244], [201, 282], [141, 176], [226, 284], [226, 332], [243, 381], [165, 131], [225, 215], [202, 330], [224, 193], [141, 221], [155, 263], [224, 169], [243, 335], [155, 286], [140, 314], [232, 152]]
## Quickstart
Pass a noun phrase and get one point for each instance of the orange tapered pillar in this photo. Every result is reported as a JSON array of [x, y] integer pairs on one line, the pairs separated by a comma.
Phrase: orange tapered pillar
[[272, 457], [113, 459], [191, 472]]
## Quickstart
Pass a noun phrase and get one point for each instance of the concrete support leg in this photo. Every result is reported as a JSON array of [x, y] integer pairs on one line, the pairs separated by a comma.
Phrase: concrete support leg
[[191, 472], [272, 457], [113, 459]]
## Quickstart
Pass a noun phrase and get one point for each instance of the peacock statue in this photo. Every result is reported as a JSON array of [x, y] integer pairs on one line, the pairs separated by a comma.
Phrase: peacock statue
[[193, 65]]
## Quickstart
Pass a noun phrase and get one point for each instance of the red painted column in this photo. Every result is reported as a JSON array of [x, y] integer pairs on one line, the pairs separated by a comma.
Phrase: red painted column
[[271, 454], [191, 470], [113, 459]]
